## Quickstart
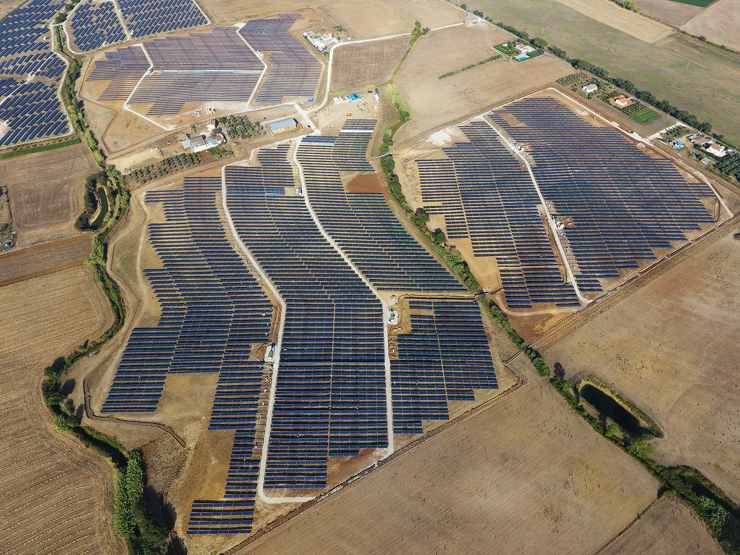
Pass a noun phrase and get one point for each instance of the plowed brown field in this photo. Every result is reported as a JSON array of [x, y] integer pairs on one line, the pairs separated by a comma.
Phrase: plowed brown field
[[55, 494]]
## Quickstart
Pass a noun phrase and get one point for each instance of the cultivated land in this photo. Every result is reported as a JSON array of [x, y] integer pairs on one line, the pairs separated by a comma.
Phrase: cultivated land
[[668, 527], [719, 23], [680, 68], [632, 23], [525, 474], [435, 102], [22, 264], [670, 11], [366, 64], [676, 358], [56, 494], [47, 192]]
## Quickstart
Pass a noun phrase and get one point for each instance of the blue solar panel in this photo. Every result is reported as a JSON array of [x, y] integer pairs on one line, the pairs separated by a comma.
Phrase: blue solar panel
[[94, 26], [31, 74]]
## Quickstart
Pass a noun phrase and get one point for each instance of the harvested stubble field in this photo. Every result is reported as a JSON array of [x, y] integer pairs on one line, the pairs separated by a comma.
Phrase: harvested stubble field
[[23, 264], [47, 192], [367, 19], [680, 68], [719, 23], [56, 494], [671, 348], [668, 527], [526, 475], [632, 23], [672, 12], [435, 102], [367, 64]]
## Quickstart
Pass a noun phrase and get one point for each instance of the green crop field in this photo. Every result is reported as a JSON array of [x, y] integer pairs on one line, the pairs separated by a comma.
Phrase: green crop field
[[693, 75], [644, 115]]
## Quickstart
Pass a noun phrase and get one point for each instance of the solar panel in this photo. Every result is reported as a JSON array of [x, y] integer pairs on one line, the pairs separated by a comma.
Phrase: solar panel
[[294, 72], [361, 223], [330, 390]]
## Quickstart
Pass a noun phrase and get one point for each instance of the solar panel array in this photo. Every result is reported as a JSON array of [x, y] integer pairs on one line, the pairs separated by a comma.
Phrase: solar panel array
[[212, 308], [150, 17], [31, 72], [294, 72], [445, 358], [212, 66], [486, 195], [32, 112], [123, 67], [95, 25], [330, 391], [362, 224], [624, 204]]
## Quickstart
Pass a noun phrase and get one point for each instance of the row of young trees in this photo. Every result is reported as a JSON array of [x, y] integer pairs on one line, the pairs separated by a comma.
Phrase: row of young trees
[[168, 166], [144, 531]]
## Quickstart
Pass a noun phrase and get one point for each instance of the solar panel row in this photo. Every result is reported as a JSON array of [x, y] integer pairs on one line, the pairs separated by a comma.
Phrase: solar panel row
[[294, 72], [150, 17], [213, 312], [361, 223], [94, 26], [623, 203], [330, 390], [444, 358], [212, 66], [124, 68], [34, 111], [213, 309], [485, 194]]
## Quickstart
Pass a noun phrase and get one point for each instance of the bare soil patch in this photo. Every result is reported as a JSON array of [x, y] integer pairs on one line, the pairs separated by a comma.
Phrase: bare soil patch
[[668, 527], [365, 183], [367, 64], [719, 23], [44, 259], [6, 6], [435, 103], [671, 348], [526, 475], [56, 494], [670, 11], [46, 192], [632, 23]]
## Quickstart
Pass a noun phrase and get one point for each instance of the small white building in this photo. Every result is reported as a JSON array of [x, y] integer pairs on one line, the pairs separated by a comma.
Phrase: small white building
[[591, 88], [718, 150], [199, 143]]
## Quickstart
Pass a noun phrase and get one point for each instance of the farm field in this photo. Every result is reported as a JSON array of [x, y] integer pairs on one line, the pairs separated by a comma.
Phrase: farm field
[[56, 494], [719, 23], [669, 11], [48, 258], [47, 200], [668, 527], [361, 20], [679, 68], [366, 64], [677, 359], [525, 474], [632, 23], [435, 102], [8, 5]]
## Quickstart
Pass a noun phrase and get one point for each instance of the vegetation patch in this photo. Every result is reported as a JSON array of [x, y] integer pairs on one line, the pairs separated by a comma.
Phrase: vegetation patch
[[45, 147], [471, 66]]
